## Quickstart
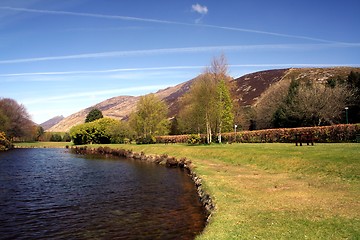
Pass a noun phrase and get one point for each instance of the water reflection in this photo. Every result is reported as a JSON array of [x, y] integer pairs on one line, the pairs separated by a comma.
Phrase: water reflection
[[50, 193]]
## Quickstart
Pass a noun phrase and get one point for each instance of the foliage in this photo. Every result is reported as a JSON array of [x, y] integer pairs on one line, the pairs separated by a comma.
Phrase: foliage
[[120, 132], [325, 134], [207, 107], [194, 139], [93, 115], [312, 104], [146, 140], [104, 130], [15, 121], [55, 138], [225, 109], [150, 117], [39, 132], [353, 82], [5, 143]]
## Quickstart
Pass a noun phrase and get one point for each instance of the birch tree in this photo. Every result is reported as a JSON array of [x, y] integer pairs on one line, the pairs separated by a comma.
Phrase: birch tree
[[208, 105], [150, 117]]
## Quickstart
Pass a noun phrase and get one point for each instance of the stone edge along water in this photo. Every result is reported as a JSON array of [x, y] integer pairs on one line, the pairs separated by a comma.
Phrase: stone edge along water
[[164, 160]]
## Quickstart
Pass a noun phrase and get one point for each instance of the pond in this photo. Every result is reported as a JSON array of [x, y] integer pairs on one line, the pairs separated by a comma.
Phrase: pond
[[53, 194]]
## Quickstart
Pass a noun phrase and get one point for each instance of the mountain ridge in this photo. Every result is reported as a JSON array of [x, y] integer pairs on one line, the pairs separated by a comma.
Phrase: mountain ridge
[[245, 90]]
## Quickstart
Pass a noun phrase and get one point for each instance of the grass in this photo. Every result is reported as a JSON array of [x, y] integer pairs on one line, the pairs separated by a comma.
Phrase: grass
[[276, 191], [43, 144]]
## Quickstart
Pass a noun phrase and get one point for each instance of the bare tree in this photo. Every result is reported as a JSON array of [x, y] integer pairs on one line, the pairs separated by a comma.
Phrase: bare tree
[[317, 104], [19, 123]]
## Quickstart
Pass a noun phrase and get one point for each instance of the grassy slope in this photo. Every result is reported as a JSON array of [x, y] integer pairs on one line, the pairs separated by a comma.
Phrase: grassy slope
[[276, 191]]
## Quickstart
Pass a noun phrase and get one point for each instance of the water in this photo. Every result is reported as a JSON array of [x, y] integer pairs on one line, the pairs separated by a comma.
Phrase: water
[[53, 194]]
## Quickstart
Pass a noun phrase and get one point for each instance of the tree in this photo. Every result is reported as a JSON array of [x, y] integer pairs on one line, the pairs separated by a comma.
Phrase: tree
[[17, 123], [207, 107], [101, 131], [93, 115], [353, 83], [225, 109], [150, 117], [312, 104], [4, 122]]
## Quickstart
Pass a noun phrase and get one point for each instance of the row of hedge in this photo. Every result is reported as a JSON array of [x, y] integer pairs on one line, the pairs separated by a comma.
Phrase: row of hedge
[[324, 134]]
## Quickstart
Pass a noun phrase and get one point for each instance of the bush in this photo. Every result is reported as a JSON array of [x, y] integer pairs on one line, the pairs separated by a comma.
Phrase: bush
[[194, 139], [325, 134], [146, 140], [55, 138], [5, 143]]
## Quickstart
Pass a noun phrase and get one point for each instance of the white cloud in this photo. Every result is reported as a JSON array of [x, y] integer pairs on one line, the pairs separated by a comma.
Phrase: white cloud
[[203, 10], [199, 9]]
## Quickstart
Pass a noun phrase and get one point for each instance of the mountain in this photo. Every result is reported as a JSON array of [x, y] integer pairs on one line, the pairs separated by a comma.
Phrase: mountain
[[121, 107], [51, 122], [246, 90]]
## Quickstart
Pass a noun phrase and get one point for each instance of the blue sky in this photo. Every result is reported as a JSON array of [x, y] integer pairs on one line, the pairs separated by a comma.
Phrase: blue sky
[[58, 57]]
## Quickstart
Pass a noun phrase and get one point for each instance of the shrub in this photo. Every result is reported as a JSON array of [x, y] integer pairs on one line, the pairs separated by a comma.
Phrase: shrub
[[146, 140], [194, 139], [55, 137], [5, 143], [335, 133]]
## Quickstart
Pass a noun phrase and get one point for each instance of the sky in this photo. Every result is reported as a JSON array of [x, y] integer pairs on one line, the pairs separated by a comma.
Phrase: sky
[[58, 57]]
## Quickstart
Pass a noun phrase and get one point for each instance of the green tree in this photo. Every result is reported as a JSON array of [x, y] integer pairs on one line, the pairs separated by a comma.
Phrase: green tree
[[353, 82], [207, 107], [150, 117], [93, 115], [100, 131], [55, 137], [39, 131], [4, 122], [225, 109], [282, 116]]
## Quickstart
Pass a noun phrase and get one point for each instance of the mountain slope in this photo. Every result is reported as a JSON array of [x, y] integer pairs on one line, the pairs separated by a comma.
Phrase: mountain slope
[[246, 90], [51, 122], [121, 107]]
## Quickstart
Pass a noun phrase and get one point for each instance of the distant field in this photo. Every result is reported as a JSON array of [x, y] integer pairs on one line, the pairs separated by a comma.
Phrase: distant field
[[276, 191], [43, 144]]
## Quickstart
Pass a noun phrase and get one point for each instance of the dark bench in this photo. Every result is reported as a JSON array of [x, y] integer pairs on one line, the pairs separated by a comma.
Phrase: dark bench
[[307, 138]]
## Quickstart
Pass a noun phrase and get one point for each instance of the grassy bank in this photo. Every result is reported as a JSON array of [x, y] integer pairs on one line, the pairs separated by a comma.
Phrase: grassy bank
[[276, 191]]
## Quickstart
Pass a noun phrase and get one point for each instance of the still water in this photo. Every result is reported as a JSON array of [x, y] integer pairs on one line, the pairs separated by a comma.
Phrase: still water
[[53, 194]]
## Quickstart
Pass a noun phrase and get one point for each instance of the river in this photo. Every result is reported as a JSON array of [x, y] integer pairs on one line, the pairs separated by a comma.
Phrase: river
[[54, 194]]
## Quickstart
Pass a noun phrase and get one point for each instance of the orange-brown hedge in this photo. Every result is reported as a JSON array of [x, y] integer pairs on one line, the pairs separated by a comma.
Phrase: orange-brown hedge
[[324, 134]]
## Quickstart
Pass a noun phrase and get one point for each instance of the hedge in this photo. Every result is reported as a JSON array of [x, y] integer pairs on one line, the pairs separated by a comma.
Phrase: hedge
[[323, 134]]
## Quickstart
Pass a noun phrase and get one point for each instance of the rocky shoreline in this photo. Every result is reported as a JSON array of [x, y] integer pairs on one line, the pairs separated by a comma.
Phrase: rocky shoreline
[[164, 160]]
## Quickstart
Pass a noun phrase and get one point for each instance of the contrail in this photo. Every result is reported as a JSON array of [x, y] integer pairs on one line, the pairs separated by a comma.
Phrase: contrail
[[127, 18], [181, 50], [143, 69]]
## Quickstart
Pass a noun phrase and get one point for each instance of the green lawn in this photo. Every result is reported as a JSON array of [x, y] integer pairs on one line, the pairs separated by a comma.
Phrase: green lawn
[[276, 191], [43, 144]]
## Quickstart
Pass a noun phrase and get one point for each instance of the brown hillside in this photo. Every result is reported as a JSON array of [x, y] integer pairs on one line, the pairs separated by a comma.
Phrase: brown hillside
[[248, 88]]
